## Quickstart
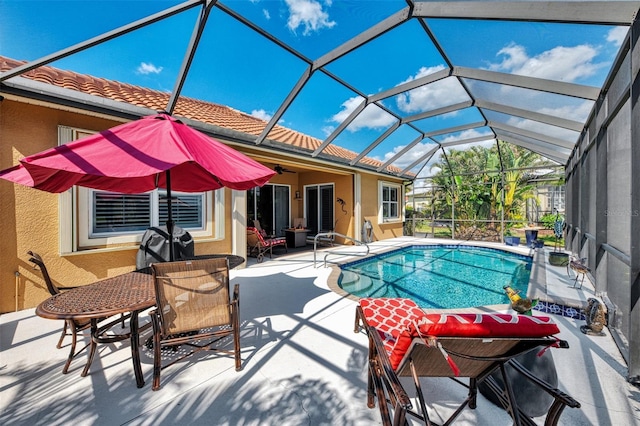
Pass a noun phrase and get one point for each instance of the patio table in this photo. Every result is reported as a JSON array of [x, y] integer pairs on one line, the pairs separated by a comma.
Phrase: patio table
[[129, 294]]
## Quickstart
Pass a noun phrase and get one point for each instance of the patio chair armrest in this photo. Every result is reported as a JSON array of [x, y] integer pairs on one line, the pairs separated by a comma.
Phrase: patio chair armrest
[[560, 399], [67, 288], [554, 392]]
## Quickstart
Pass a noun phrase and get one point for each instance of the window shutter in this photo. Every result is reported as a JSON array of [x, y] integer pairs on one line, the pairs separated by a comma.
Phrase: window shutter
[[186, 210], [120, 212]]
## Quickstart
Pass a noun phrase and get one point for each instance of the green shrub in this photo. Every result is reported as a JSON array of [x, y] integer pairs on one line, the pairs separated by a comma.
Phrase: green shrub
[[548, 220]]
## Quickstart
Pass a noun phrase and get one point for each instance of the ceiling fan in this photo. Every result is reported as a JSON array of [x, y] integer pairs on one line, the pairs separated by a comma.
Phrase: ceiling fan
[[279, 169]]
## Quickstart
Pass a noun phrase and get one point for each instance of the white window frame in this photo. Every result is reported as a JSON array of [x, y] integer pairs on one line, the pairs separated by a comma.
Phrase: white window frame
[[75, 213], [391, 185]]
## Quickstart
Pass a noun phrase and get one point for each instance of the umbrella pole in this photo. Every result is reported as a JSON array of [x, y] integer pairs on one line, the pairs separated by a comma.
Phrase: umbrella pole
[[169, 216]]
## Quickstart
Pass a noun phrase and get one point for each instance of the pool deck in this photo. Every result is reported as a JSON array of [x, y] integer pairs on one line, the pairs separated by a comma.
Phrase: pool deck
[[302, 364]]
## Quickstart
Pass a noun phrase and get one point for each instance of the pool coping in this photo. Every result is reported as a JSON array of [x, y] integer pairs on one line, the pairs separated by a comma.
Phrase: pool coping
[[558, 305]]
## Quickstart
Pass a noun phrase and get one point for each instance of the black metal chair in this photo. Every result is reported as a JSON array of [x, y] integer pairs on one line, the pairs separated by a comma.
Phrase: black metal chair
[[71, 327]]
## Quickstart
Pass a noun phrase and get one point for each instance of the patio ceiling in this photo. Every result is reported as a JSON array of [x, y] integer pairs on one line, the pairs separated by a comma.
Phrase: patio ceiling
[[401, 82]]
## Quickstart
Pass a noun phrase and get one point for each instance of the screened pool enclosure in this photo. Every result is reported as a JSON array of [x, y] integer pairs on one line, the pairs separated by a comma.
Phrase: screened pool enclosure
[[497, 115]]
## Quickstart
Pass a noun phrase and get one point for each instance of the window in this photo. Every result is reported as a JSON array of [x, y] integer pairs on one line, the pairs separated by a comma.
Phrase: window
[[114, 213], [555, 198], [389, 204]]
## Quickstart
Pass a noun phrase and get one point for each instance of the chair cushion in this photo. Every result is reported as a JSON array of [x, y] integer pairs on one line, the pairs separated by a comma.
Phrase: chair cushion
[[471, 325], [389, 316], [268, 242], [275, 241]]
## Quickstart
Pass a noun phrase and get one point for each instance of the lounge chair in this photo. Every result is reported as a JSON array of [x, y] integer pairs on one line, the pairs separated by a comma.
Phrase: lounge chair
[[256, 224], [257, 245], [194, 308], [404, 341]]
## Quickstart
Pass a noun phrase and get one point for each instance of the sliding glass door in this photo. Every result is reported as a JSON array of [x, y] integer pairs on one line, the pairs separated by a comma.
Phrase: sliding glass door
[[271, 206], [319, 208]]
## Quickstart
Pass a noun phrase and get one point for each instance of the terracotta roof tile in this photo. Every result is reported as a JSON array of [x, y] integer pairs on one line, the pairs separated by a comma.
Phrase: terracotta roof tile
[[195, 109]]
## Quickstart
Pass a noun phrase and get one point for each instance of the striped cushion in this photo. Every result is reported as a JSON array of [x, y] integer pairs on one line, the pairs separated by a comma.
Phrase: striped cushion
[[269, 241], [471, 325], [274, 241]]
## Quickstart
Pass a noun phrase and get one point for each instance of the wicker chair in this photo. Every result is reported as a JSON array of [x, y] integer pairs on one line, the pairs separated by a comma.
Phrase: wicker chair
[[71, 327], [419, 346], [258, 245], [194, 309]]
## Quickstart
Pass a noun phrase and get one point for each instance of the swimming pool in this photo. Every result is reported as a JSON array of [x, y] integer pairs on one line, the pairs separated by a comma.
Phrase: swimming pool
[[441, 276]]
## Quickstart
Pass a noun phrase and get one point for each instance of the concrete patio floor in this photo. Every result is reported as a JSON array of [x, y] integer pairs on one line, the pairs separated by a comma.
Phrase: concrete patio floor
[[302, 365]]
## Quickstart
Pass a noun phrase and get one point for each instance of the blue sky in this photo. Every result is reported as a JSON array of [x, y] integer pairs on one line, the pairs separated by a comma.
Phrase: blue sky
[[236, 66]]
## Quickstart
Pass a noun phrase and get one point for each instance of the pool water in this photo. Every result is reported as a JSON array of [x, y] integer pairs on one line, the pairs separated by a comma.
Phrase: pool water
[[439, 276]]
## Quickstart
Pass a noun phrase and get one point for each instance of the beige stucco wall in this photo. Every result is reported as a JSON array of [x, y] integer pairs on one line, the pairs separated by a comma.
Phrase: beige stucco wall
[[381, 231]]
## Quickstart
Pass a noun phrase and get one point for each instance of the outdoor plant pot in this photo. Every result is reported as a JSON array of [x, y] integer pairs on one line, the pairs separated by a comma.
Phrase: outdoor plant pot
[[512, 241], [557, 258]]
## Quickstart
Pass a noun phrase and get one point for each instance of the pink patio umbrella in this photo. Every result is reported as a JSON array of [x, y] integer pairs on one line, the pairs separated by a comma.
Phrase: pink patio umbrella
[[157, 151]]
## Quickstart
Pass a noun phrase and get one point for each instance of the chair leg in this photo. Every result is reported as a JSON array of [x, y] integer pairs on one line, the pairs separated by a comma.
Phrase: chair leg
[[419, 394], [92, 348], [371, 402], [473, 393], [72, 350], [236, 344], [156, 352], [64, 333], [512, 407]]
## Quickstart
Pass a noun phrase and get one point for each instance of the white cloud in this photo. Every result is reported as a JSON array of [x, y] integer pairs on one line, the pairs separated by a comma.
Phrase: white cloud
[[560, 63], [432, 96], [309, 15], [146, 68], [616, 35], [327, 130], [261, 114], [372, 117]]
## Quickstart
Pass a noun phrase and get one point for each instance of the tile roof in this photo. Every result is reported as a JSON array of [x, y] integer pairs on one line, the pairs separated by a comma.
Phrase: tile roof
[[206, 112]]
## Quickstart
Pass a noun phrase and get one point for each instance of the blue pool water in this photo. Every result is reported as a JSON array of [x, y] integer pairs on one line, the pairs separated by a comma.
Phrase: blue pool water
[[439, 276]]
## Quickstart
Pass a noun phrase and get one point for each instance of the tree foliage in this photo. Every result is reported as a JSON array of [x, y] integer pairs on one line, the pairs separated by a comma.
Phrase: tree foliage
[[479, 183]]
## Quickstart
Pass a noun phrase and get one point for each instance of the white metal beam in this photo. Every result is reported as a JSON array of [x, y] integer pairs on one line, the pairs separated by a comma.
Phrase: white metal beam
[[552, 120], [533, 83], [533, 135], [583, 12]]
